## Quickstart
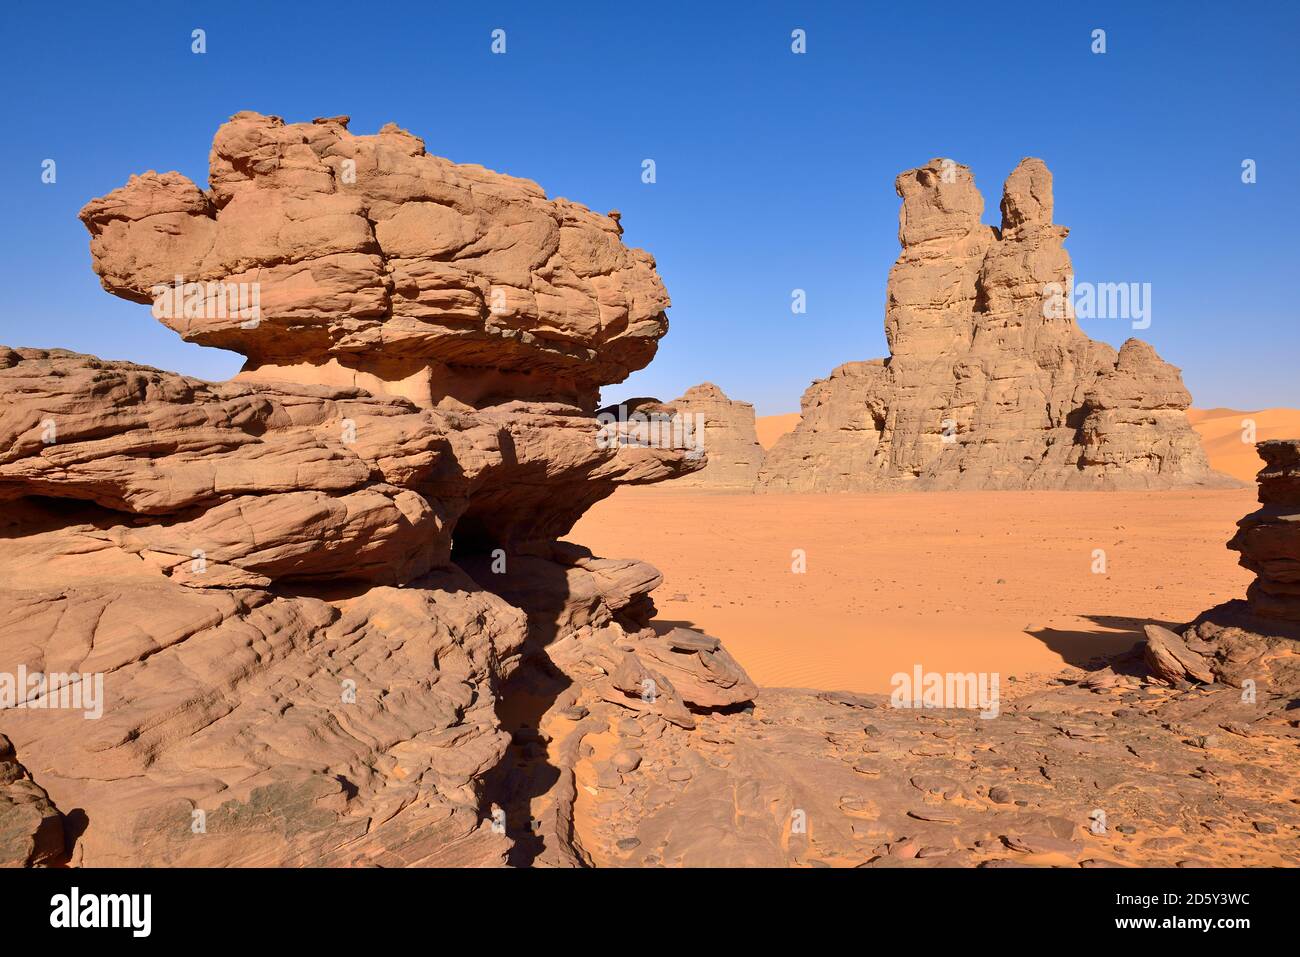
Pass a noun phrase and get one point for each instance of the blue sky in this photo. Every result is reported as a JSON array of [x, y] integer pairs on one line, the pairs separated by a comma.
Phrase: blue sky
[[775, 171]]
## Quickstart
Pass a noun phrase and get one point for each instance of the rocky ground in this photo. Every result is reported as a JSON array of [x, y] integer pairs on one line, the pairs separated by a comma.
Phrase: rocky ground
[[1189, 776], [1122, 765]]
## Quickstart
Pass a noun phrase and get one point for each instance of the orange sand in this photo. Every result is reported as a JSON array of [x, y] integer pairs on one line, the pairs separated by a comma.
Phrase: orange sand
[[1221, 433], [959, 581], [772, 427]]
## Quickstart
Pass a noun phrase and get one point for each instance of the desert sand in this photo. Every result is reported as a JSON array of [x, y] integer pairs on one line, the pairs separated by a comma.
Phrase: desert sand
[[1221, 432], [772, 427], [989, 581]]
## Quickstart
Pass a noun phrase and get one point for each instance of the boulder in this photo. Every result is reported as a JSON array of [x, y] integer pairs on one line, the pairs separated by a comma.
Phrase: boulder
[[334, 258]]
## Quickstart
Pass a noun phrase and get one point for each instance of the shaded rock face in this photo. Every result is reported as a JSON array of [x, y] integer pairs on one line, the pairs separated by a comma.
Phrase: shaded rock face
[[729, 438], [375, 264], [990, 383], [1269, 538], [278, 620], [31, 829]]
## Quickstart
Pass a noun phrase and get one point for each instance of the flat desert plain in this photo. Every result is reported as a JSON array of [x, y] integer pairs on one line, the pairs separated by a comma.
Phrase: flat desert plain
[[954, 581]]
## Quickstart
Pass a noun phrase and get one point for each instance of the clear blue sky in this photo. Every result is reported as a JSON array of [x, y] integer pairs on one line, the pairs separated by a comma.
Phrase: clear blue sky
[[775, 171]]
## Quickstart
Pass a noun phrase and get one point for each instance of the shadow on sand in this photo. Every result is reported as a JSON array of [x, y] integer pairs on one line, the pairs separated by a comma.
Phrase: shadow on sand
[[1094, 649]]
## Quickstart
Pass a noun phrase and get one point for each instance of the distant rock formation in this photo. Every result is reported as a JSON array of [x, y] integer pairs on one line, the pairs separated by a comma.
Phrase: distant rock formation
[[988, 387], [302, 601], [729, 439]]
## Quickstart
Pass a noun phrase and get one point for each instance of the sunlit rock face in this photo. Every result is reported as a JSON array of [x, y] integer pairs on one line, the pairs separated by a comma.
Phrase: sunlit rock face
[[727, 434], [248, 599], [990, 383], [369, 262]]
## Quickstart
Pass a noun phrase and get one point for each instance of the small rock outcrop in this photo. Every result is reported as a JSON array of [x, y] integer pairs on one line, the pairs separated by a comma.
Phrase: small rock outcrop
[[1252, 641], [729, 439], [31, 828], [1269, 538], [990, 383]]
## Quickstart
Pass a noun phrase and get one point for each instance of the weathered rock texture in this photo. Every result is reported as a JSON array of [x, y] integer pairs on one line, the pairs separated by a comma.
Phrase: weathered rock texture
[[1269, 538], [1254, 641], [729, 439], [269, 574], [31, 829], [382, 266], [981, 389]]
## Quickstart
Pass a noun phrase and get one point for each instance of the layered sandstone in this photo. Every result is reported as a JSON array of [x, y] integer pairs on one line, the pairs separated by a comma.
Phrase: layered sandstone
[[1269, 538], [304, 594], [728, 437], [378, 265], [1249, 643], [990, 382]]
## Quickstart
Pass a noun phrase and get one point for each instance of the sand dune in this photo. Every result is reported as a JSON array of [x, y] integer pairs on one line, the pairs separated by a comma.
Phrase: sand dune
[[985, 581], [772, 427], [1222, 432]]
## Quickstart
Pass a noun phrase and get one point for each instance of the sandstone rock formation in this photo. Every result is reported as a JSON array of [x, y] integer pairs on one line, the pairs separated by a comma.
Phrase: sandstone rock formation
[[1269, 538], [241, 611], [380, 266], [31, 829], [1252, 641], [990, 383], [729, 439]]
